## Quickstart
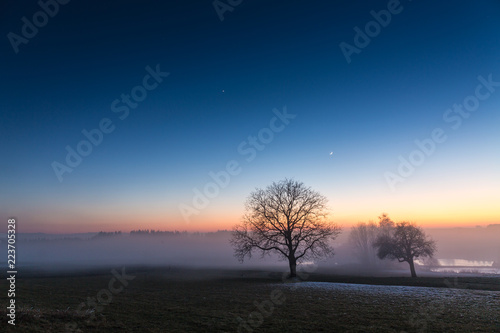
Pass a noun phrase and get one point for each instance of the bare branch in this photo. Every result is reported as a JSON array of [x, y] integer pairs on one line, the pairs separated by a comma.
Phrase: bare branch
[[286, 218]]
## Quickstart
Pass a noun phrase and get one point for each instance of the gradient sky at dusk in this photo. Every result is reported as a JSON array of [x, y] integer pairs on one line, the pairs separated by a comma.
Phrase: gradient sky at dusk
[[226, 77]]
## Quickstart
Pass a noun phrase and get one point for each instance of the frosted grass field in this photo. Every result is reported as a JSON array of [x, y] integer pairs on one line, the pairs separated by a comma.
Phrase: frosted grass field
[[183, 300]]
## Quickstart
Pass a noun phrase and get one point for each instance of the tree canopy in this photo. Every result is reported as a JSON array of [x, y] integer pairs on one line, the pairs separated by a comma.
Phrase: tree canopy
[[286, 218], [405, 243]]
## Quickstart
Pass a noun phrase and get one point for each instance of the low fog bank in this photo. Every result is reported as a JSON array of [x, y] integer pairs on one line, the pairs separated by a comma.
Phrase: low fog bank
[[75, 251], [459, 250], [479, 246]]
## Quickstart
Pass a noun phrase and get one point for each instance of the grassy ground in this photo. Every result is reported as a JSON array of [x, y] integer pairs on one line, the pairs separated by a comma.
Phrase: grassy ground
[[209, 301]]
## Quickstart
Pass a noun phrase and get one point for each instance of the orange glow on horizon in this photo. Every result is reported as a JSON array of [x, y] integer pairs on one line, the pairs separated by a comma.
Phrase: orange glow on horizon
[[213, 222], [346, 211]]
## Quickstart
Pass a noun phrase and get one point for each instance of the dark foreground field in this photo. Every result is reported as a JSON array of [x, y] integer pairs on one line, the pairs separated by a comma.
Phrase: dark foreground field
[[174, 300]]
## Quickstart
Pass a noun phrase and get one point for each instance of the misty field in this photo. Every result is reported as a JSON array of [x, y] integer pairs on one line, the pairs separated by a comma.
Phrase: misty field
[[177, 300]]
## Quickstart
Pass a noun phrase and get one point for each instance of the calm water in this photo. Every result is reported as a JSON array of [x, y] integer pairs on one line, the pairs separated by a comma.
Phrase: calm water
[[466, 266]]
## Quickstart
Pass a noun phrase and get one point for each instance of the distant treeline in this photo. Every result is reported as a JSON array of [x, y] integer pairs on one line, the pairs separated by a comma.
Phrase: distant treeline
[[147, 232], [152, 232], [140, 232], [112, 234], [103, 234]]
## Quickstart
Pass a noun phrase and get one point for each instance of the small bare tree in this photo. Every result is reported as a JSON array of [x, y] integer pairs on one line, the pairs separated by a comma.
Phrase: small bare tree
[[362, 237], [406, 243], [287, 218], [385, 224]]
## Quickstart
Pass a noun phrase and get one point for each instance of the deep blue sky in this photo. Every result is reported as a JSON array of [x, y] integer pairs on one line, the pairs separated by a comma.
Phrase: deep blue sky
[[225, 79]]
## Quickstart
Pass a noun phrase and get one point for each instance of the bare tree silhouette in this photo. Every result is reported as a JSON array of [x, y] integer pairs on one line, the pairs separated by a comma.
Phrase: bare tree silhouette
[[286, 218], [406, 243], [364, 235]]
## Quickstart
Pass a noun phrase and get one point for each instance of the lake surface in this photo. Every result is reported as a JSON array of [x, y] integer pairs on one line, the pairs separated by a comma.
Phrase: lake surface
[[466, 266]]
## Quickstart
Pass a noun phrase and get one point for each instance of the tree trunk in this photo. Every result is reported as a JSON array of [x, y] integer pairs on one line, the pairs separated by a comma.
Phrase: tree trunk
[[412, 268], [293, 266]]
